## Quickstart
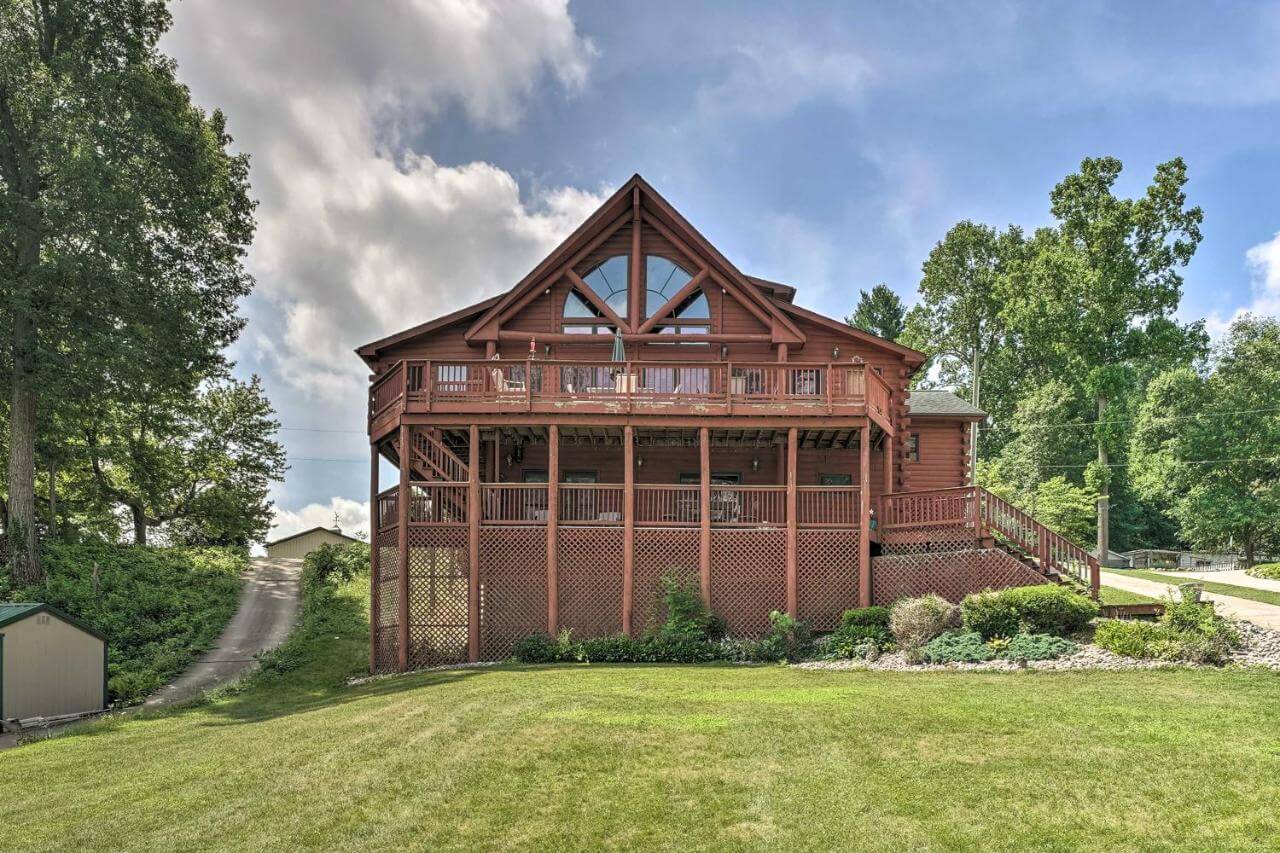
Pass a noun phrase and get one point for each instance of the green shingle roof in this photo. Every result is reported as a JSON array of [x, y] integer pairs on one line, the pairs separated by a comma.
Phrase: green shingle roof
[[11, 611]]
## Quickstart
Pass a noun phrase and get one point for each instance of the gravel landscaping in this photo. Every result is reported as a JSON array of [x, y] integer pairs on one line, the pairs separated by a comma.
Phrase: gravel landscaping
[[1259, 647]]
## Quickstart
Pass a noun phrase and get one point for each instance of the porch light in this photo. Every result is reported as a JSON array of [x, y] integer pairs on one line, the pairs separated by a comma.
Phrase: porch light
[[835, 353], [755, 463], [724, 352], [639, 461]]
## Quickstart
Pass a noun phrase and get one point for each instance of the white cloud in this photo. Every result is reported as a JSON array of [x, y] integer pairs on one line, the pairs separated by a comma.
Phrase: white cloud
[[1264, 268], [352, 518], [359, 234], [772, 74]]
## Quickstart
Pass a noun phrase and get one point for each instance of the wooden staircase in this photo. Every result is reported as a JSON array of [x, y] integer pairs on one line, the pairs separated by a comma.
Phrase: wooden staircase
[[432, 460]]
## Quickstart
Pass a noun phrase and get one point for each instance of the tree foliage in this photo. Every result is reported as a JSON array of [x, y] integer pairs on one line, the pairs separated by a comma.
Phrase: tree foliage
[[1209, 446], [879, 312], [123, 223]]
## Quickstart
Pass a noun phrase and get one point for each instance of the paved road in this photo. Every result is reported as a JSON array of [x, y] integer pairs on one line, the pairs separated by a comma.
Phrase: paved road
[[267, 610], [1236, 577], [1266, 615]]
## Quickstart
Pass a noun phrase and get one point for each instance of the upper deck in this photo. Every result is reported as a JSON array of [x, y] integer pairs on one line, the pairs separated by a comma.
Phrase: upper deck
[[694, 388]]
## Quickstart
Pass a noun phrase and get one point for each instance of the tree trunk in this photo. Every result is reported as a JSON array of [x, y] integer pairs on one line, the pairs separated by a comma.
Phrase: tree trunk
[[53, 499], [1104, 492], [139, 525], [24, 552], [1248, 553], [976, 388]]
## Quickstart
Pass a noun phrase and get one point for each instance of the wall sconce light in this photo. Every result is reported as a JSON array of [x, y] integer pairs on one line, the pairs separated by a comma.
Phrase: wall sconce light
[[639, 461], [724, 352], [755, 463], [835, 353], [508, 460], [546, 350]]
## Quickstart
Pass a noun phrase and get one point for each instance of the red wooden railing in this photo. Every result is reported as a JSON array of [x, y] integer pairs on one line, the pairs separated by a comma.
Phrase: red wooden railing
[[748, 506], [514, 503], [591, 504], [989, 515], [439, 459], [519, 384], [387, 508], [667, 506], [437, 503], [828, 506]]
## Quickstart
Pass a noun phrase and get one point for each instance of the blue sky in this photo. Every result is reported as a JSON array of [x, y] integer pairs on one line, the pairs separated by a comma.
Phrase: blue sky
[[412, 158]]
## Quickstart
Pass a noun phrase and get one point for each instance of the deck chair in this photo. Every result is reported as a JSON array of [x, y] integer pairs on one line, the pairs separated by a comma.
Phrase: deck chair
[[501, 384]]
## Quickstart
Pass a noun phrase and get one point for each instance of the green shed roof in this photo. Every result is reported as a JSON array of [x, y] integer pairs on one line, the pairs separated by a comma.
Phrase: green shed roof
[[12, 611]]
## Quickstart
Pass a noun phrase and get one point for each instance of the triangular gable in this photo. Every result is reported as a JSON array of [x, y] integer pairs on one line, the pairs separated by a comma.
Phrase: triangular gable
[[634, 208]]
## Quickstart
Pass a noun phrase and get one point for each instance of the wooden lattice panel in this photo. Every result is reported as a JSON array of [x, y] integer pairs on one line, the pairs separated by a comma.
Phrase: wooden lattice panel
[[826, 576], [658, 549], [387, 638], [513, 587], [927, 540], [590, 580], [950, 574], [438, 569], [748, 578]]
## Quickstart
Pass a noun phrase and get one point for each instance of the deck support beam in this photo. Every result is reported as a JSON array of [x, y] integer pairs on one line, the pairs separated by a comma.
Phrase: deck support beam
[[628, 523], [374, 523], [473, 544], [553, 529], [888, 463], [792, 583], [864, 526], [402, 545], [704, 512]]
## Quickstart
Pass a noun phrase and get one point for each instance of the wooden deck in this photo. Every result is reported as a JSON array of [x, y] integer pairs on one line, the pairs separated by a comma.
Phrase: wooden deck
[[691, 388]]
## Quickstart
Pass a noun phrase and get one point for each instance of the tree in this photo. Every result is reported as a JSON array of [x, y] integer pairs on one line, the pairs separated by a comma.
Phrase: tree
[[879, 312], [958, 320], [1209, 446], [1099, 291], [123, 221], [202, 465]]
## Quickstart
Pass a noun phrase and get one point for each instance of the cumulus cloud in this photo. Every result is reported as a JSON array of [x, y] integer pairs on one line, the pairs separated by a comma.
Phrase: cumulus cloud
[[352, 517], [360, 234], [1264, 269]]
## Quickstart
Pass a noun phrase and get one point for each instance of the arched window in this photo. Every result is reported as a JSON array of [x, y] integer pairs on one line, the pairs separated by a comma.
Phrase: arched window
[[663, 280], [609, 281]]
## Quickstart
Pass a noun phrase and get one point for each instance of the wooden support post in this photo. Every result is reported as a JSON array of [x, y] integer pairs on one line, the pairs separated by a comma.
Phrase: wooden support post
[[553, 529], [704, 511], [864, 532], [374, 520], [473, 545], [495, 469], [402, 545], [792, 541], [628, 523], [888, 463]]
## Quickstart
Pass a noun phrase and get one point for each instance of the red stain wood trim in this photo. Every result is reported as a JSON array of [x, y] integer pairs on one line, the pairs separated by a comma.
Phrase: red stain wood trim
[[553, 524], [704, 511], [628, 523], [473, 541], [864, 540], [402, 546], [792, 584]]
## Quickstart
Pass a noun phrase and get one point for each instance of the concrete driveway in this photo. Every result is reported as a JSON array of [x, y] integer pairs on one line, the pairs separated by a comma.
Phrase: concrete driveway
[[1236, 577], [266, 613], [1266, 615]]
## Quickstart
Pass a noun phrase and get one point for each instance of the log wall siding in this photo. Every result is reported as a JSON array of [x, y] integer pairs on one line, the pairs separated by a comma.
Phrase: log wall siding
[[943, 454]]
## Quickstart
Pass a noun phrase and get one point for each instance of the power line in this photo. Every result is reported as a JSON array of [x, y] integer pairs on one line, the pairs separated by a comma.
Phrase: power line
[[1178, 462], [1132, 420]]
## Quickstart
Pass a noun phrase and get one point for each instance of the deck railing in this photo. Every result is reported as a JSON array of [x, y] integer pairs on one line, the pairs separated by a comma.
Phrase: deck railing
[[590, 504], [667, 506], [828, 506], [514, 503], [637, 386], [989, 515]]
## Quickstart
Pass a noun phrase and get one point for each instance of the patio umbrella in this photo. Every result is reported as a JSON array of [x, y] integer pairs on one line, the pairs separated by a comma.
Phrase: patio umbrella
[[619, 351]]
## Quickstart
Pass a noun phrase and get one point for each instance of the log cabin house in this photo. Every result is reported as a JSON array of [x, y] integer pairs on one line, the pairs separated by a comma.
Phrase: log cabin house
[[636, 403]]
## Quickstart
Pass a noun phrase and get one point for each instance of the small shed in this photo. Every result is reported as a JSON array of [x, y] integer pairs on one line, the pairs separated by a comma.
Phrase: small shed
[[299, 545], [51, 664]]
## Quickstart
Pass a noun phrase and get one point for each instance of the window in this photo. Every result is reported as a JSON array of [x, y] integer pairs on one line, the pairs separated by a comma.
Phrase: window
[[535, 475], [579, 477], [609, 281], [913, 447], [835, 479]]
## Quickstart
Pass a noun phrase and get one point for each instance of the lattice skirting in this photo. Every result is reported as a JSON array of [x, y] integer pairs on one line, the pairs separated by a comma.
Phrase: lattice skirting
[[438, 570], [513, 587], [950, 574], [589, 589], [826, 576], [656, 551], [748, 578], [387, 637]]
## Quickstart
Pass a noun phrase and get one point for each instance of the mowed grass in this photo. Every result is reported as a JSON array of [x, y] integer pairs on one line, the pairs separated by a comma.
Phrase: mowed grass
[[675, 757], [1263, 596], [1114, 595]]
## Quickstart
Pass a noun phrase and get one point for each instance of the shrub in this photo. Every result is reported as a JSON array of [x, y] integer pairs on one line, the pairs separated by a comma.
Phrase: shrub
[[536, 648], [788, 639], [1036, 647], [335, 564], [1270, 571], [916, 621], [1042, 609], [1188, 632], [958, 647], [617, 648], [870, 617], [685, 614]]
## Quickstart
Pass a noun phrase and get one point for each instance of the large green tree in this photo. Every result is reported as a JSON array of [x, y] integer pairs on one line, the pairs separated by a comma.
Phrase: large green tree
[[123, 222], [201, 464], [879, 312], [1209, 446], [1098, 293]]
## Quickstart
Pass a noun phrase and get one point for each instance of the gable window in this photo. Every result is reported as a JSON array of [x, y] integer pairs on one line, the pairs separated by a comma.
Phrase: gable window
[[913, 447], [609, 281]]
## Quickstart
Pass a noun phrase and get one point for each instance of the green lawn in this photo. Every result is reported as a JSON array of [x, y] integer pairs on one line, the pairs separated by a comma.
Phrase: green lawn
[[1265, 596], [687, 757], [1112, 595]]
